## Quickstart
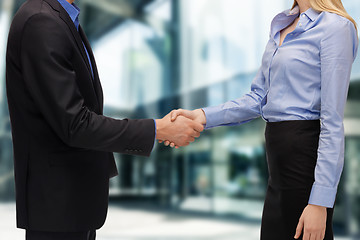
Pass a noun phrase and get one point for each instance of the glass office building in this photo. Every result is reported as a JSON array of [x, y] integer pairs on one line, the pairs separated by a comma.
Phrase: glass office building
[[154, 56]]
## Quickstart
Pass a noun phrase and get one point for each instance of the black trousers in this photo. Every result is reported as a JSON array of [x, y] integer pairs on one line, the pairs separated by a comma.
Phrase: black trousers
[[291, 152], [37, 235]]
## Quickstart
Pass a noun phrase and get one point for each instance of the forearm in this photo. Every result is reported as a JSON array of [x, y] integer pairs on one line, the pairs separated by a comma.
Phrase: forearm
[[103, 133], [233, 112], [329, 166]]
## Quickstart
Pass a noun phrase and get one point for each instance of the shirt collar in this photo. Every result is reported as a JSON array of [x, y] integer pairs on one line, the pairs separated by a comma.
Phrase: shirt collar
[[310, 13], [284, 18], [72, 10]]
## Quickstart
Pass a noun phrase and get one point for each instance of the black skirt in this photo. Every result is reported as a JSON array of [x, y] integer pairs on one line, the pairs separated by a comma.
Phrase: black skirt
[[291, 152]]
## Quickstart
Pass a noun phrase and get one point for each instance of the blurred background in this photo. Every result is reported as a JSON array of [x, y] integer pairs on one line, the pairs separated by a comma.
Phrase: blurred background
[[157, 55]]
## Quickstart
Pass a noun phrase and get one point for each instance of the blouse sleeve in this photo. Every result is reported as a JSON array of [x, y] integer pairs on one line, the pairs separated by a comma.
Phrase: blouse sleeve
[[338, 51], [240, 110]]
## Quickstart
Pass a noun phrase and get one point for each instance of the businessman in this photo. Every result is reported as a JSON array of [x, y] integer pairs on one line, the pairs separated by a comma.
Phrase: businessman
[[62, 142]]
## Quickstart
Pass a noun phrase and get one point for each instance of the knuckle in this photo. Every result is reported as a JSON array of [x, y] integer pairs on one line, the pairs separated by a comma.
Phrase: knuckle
[[310, 229]]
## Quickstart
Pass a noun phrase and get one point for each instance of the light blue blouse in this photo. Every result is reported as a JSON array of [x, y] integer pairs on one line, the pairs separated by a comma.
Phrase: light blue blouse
[[307, 77]]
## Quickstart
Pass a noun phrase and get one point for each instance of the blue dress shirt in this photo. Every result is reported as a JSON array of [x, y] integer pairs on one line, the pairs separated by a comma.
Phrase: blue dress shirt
[[74, 12], [305, 78]]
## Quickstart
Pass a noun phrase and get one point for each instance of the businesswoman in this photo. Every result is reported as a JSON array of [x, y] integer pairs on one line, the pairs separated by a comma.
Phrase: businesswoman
[[300, 91]]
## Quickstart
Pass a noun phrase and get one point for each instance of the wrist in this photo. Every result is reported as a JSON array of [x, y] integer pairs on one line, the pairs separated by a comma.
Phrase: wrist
[[318, 206], [202, 117], [159, 129]]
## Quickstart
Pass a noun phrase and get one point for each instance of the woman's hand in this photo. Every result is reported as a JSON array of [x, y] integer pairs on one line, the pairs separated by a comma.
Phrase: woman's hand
[[313, 220], [197, 115]]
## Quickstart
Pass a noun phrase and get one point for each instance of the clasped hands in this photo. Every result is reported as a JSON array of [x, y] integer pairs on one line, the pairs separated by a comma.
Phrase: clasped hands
[[180, 127]]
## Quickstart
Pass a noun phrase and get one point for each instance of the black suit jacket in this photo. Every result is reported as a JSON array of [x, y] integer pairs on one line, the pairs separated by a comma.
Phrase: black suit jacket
[[62, 143]]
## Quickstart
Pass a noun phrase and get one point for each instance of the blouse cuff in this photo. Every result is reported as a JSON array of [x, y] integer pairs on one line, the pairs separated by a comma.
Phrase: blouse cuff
[[322, 196], [214, 117]]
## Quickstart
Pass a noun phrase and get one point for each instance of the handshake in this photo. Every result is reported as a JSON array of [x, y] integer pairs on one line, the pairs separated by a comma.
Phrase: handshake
[[180, 127]]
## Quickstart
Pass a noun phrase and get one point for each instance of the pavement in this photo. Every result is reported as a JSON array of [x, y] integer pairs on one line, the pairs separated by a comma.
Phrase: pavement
[[125, 223]]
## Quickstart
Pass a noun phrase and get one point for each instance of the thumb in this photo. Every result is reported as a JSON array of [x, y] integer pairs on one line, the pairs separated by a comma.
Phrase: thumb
[[186, 113], [174, 114], [299, 228]]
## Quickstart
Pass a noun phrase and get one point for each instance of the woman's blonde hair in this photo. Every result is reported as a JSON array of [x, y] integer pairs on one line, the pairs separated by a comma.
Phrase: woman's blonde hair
[[333, 6]]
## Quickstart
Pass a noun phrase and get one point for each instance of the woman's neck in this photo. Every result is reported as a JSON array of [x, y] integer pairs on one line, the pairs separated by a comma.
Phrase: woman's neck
[[303, 5]]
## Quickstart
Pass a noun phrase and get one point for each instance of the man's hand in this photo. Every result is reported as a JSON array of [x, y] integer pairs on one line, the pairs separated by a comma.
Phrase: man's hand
[[180, 132], [197, 115], [313, 220]]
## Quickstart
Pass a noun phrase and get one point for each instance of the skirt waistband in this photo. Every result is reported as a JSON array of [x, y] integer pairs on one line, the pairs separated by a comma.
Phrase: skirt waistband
[[294, 123], [287, 122]]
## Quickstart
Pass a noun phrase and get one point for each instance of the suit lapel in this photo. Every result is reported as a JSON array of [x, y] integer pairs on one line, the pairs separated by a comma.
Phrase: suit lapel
[[97, 84], [66, 18]]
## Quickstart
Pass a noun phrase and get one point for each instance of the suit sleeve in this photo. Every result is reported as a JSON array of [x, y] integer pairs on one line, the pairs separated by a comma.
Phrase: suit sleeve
[[51, 81]]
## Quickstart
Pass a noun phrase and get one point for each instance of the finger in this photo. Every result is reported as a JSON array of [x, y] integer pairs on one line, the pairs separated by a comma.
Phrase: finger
[[299, 228], [176, 147], [315, 236], [198, 126], [322, 236], [172, 145], [191, 139], [195, 134], [183, 144], [160, 141], [166, 143], [306, 235], [312, 236]]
